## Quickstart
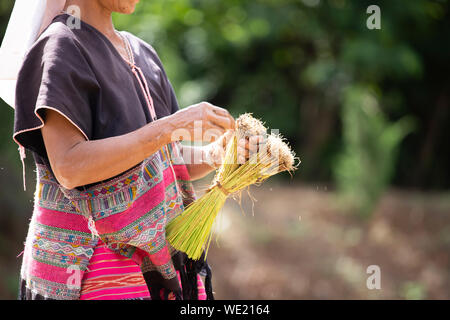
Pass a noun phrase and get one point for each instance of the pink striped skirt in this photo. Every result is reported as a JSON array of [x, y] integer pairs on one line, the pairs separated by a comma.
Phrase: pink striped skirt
[[111, 276]]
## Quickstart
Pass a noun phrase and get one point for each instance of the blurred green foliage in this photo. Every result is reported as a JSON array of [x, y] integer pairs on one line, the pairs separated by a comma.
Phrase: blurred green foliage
[[302, 67], [367, 161], [290, 62], [307, 68], [413, 291], [345, 96]]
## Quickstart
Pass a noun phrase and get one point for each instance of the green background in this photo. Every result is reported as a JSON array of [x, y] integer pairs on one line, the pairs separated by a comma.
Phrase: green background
[[367, 111]]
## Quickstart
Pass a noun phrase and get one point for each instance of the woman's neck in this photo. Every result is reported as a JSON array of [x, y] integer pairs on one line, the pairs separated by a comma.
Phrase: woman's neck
[[93, 13]]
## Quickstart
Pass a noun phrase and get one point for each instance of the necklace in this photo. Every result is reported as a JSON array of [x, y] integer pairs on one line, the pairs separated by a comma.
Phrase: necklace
[[127, 47]]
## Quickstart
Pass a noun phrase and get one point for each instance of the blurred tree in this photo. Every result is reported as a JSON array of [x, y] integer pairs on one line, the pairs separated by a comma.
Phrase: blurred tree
[[371, 143], [342, 94], [288, 62]]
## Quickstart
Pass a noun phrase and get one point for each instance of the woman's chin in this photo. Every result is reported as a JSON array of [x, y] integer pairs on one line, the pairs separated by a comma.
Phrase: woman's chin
[[132, 8], [128, 10]]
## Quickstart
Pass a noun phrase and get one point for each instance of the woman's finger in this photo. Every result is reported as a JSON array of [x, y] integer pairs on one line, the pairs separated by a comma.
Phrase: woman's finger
[[225, 122], [244, 148], [226, 138], [243, 143], [221, 112], [218, 156], [248, 147], [241, 160], [243, 152], [211, 130], [256, 143]]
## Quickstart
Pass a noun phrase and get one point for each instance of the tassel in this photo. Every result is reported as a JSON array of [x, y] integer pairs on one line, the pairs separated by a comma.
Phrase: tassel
[[23, 155], [91, 226]]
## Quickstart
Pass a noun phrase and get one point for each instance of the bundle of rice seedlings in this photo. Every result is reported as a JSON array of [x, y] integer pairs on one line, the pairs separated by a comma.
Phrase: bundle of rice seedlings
[[191, 231]]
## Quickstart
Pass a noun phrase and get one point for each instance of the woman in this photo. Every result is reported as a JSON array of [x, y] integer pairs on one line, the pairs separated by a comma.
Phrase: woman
[[95, 107]]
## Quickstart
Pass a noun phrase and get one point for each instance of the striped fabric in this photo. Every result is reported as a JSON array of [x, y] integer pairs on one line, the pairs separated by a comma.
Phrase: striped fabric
[[60, 239], [111, 276]]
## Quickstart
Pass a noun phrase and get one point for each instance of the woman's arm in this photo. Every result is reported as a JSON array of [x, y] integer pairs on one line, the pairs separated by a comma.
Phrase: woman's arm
[[76, 162], [200, 161], [196, 161]]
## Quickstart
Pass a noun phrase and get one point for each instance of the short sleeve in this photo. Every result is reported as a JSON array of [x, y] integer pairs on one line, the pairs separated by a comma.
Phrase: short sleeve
[[172, 98], [55, 75]]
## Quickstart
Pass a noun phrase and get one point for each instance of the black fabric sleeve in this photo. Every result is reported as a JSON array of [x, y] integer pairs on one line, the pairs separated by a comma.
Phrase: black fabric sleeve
[[55, 75]]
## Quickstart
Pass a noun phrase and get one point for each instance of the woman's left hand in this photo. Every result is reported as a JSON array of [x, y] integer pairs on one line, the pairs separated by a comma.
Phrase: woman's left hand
[[215, 152], [248, 147]]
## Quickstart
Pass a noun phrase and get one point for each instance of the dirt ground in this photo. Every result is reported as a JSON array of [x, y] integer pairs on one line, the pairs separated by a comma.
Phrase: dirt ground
[[300, 244]]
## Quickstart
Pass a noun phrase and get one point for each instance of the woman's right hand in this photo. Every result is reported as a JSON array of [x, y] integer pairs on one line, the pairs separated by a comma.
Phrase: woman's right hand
[[200, 122]]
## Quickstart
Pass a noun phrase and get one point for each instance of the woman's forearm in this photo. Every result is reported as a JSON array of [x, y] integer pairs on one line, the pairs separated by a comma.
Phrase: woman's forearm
[[77, 162], [87, 162], [195, 159]]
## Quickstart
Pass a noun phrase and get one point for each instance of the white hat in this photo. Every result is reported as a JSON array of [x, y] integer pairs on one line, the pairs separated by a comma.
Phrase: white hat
[[28, 19]]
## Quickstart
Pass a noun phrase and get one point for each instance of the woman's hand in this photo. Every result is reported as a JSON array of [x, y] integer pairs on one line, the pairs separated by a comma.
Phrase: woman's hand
[[248, 147], [200, 122], [215, 152]]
